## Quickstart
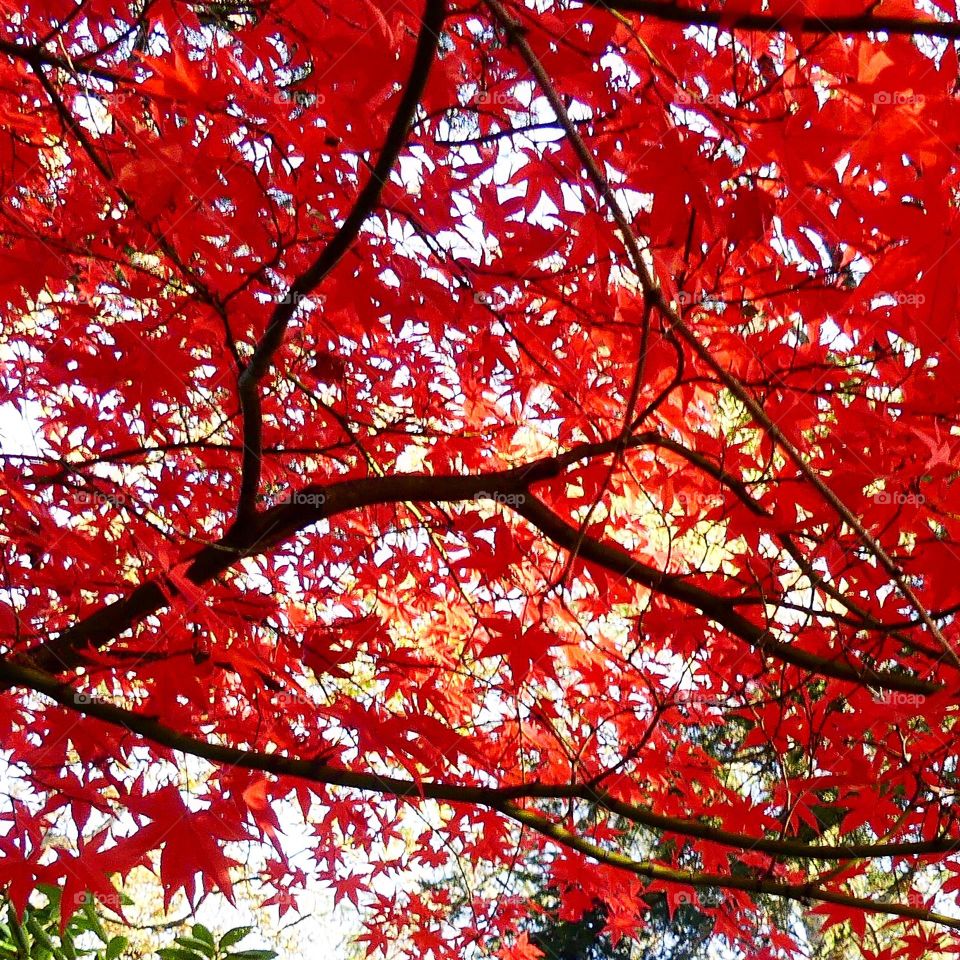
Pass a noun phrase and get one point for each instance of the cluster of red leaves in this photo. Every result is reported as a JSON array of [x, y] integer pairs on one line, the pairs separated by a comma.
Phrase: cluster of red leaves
[[369, 453]]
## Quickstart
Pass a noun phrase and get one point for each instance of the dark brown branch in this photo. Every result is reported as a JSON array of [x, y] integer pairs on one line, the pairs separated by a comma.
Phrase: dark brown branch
[[249, 382], [318, 502], [652, 292], [504, 800], [804, 892], [716, 608], [267, 530], [790, 21]]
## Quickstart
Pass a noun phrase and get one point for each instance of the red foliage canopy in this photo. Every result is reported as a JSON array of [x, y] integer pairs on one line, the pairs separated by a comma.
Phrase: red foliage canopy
[[542, 418]]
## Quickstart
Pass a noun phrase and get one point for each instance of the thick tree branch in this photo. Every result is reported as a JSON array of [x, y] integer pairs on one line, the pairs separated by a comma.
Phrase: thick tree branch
[[309, 280], [791, 20], [804, 892], [504, 800], [653, 292], [319, 502], [715, 608]]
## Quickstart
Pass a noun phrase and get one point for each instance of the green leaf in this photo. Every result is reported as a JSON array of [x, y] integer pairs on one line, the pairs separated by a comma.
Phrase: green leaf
[[253, 955], [93, 918], [177, 953], [115, 947], [67, 947], [20, 940], [41, 935], [198, 946], [202, 933], [234, 936]]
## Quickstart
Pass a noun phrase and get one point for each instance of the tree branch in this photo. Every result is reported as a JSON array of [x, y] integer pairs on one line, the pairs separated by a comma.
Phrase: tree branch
[[249, 381], [503, 800], [318, 502], [652, 291], [791, 20], [803, 892], [715, 608]]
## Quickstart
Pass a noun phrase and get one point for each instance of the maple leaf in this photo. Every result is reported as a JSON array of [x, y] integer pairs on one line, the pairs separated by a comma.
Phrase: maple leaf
[[523, 649], [349, 888], [520, 949]]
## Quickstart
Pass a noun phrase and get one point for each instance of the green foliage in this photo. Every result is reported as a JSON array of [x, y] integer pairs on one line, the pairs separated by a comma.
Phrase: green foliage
[[200, 944], [683, 933], [37, 935], [582, 939]]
